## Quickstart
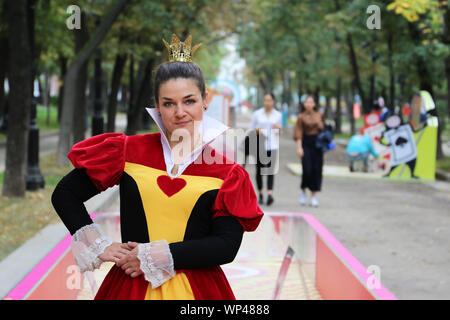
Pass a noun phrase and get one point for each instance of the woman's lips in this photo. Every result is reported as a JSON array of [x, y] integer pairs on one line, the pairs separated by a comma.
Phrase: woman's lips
[[182, 123]]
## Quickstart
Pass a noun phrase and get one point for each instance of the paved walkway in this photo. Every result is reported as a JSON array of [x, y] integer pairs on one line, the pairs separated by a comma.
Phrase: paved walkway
[[401, 227]]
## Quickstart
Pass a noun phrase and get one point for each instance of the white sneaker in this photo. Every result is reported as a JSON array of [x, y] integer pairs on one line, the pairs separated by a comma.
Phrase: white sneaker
[[302, 198], [313, 202]]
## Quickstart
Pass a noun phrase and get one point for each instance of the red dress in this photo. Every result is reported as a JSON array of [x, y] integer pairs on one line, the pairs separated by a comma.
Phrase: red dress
[[155, 207]]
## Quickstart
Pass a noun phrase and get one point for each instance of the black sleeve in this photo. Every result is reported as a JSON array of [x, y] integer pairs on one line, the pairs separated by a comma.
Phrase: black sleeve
[[69, 196], [219, 248]]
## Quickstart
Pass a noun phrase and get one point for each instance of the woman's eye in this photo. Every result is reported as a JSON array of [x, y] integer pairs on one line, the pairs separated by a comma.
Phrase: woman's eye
[[190, 101], [167, 104]]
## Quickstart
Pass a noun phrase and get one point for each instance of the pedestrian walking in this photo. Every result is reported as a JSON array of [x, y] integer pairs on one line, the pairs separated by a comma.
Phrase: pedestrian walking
[[267, 124], [309, 124]]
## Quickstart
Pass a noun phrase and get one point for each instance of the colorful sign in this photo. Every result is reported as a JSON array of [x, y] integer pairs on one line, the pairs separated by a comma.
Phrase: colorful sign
[[413, 144]]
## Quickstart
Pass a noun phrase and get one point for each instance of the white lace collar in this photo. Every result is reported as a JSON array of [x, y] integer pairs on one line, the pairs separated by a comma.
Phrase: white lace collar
[[211, 129]]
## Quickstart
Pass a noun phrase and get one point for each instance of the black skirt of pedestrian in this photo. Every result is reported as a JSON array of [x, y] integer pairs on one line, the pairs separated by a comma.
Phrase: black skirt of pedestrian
[[312, 163]]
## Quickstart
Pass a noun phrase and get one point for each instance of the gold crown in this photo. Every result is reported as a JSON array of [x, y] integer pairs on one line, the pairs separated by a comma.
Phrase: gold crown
[[181, 51]]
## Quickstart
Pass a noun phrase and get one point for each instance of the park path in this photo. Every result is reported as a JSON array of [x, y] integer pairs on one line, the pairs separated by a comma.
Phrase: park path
[[400, 227]]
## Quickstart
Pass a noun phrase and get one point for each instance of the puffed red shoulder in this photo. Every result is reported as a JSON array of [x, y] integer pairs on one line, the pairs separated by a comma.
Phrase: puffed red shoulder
[[237, 198], [103, 157]]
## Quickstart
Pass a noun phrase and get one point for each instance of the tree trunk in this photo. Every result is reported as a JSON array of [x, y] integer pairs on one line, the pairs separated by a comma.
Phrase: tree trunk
[[263, 85], [317, 97], [447, 75], [80, 110], [269, 81], [3, 69], [391, 101], [289, 91], [446, 40], [20, 81], [46, 96], [401, 83], [338, 115], [65, 139], [326, 113], [283, 87], [350, 110], [131, 99], [123, 98], [63, 68], [356, 78], [299, 91], [119, 65], [142, 97]]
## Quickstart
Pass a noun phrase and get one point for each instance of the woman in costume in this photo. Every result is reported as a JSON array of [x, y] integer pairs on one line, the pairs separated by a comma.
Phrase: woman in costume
[[309, 123], [183, 206], [267, 123]]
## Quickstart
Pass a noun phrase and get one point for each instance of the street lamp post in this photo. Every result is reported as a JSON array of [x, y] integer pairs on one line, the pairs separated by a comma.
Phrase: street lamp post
[[34, 179]]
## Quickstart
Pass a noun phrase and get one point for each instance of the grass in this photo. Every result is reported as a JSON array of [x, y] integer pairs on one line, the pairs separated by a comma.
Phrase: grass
[[22, 218], [47, 124], [153, 128], [343, 135], [43, 123], [443, 164]]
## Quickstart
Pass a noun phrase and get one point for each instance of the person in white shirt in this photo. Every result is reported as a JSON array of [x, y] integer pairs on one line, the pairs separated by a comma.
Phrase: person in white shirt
[[267, 124]]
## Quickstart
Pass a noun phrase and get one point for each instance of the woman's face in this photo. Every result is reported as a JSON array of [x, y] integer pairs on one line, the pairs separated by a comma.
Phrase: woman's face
[[180, 105], [268, 101], [309, 104]]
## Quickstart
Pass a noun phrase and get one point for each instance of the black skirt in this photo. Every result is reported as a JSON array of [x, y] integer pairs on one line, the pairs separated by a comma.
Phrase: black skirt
[[312, 163]]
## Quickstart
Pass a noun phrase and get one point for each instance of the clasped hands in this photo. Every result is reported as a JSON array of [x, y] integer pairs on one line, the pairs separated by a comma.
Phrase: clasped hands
[[124, 255]]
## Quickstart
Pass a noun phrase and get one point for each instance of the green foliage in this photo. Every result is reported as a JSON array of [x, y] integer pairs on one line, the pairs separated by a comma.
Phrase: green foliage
[[303, 40], [309, 38]]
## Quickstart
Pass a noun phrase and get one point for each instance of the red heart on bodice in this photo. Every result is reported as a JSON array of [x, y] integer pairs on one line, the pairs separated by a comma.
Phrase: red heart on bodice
[[170, 186]]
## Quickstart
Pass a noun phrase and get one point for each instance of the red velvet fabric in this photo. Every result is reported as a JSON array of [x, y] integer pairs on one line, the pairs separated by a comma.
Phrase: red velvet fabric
[[117, 285], [237, 198], [146, 150], [103, 157], [206, 284], [209, 284]]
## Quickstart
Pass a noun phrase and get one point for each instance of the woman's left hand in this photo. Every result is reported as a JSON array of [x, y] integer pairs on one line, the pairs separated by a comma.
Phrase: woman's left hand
[[130, 263], [276, 126]]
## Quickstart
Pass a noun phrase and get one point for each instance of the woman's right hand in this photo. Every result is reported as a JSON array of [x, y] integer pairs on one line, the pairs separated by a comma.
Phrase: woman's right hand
[[300, 152], [114, 252]]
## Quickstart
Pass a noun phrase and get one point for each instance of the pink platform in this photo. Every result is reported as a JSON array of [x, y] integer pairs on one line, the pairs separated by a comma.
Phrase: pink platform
[[320, 260]]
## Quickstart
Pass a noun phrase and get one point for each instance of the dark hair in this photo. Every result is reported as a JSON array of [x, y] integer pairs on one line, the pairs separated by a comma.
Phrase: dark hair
[[302, 106], [270, 94], [174, 70]]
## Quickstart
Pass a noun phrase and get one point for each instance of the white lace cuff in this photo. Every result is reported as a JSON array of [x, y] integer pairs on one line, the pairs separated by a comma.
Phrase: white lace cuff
[[87, 244], [156, 262]]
